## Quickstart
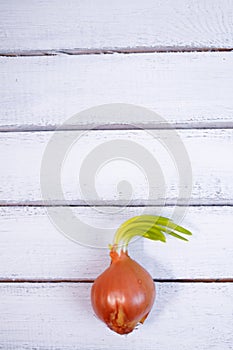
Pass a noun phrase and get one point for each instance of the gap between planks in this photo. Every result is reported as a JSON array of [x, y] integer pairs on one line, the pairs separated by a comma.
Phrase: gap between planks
[[119, 127], [38, 204], [176, 280], [110, 51]]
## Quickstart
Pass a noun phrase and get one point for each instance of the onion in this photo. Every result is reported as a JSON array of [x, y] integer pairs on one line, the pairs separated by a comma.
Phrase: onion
[[123, 295]]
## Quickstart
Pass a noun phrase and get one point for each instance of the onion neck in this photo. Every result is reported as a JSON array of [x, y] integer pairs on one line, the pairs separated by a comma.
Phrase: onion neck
[[117, 255]]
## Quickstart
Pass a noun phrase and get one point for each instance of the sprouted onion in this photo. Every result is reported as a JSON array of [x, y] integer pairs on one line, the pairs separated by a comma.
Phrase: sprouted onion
[[123, 295]]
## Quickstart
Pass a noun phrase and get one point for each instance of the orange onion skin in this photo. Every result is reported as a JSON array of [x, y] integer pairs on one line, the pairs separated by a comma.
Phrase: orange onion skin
[[123, 295]]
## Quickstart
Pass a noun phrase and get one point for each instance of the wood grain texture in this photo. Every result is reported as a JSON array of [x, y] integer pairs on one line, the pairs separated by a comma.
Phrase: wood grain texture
[[108, 180], [48, 316], [187, 89], [40, 24], [191, 91], [31, 248]]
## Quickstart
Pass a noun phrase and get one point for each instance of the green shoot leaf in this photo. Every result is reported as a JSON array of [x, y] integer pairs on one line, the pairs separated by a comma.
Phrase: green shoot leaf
[[148, 226]]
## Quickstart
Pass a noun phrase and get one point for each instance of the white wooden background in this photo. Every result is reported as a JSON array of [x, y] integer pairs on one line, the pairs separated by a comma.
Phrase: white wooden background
[[60, 57]]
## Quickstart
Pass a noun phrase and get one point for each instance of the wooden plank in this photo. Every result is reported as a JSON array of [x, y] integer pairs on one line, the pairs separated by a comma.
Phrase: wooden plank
[[52, 316], [31, 248], [93, 172], [40, 24], [187, 89]]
